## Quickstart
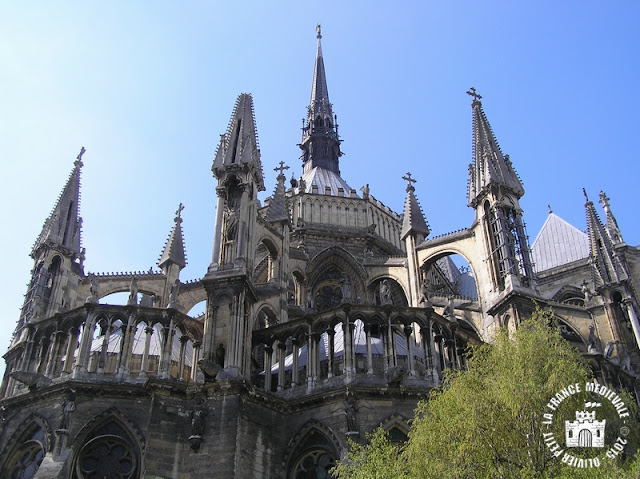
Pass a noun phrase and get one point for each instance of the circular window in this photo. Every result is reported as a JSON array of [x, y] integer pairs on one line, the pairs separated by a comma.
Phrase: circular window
[[107, 457]]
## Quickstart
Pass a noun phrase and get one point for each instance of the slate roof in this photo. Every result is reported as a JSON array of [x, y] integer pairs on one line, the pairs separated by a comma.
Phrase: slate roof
[[558, 243]]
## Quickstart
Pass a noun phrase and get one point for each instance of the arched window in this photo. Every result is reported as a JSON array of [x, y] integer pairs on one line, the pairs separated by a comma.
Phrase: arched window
[[28, 455], [107, 452], [314, 464], [314, 456]]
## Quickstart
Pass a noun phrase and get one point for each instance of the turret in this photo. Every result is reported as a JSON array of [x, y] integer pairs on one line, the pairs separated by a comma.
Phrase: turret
[[494, 191], [173, 258], [414, 230], [238, 170], [57, 254], [611, 223], [611, 275], [230, 293]]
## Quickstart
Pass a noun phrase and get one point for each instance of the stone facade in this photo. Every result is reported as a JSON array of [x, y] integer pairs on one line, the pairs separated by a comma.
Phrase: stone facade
[[327, 315]]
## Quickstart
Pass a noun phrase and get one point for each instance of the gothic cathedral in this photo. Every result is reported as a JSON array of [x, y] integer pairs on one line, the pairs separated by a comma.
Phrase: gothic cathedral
[[327, 315]]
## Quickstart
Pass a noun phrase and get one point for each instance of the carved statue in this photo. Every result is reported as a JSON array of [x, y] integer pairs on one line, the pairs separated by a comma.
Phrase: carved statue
[[82, 257], [175, 291], [197, 429], [385, 292], [347, 288], [586, 291], [231, 224], [93, 290], [68, 406], [609, 350], [592, 346], [350, 415], [424, 293], [133, 295], [197, 422]]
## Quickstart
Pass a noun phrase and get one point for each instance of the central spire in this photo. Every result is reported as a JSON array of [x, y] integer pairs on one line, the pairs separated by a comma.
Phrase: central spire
[[319, 92], [320, 143]]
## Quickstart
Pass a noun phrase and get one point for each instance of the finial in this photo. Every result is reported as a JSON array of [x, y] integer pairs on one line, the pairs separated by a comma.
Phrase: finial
[[179, 212], [476, 96], [78, 161], [550, 210], [604, 199], [281, 169], [586, 197], [319, 30], [410, 180]]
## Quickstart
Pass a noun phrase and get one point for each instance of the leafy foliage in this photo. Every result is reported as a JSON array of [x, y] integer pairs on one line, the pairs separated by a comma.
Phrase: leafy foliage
[[487, 422]]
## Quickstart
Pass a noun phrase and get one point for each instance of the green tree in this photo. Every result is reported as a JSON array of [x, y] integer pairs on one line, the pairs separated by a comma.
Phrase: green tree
[[487, 421]]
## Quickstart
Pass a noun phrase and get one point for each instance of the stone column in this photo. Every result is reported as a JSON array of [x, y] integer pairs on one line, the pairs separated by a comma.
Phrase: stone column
[[126, 345], [183, 349], [195, 357], [296, 362], [217, 239], [410, 363], [367, 332], [145, 354], [105, 348], [331, 333], [25, 364], [268, 351], [53, 354], [82, 360], [348, 346], [282, 354], [633, 317], [72, 344]]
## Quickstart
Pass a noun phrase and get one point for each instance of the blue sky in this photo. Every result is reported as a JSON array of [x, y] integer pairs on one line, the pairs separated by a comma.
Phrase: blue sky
[[147, 87]]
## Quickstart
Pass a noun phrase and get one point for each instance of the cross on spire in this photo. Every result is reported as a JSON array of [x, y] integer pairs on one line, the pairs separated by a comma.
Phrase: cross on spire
[[408, 178], [281, 168], [179, 210], [472, 92], [79, 157]]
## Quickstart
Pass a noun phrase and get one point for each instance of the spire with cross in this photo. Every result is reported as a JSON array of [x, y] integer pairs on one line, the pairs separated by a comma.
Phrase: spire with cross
[[476, 96], [179, 212], [281, 169], [78, 163], [409, 181]]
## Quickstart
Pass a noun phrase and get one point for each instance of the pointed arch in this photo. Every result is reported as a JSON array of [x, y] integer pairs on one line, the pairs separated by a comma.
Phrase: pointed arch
[[396, 292], [397, 428], [334, 276], [111, 442], [314, 445], [27, 447]]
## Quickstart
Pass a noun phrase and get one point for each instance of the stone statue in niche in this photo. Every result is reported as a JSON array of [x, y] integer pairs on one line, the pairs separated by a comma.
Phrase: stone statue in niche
[[385, 292], [68, 406], [347, 289]]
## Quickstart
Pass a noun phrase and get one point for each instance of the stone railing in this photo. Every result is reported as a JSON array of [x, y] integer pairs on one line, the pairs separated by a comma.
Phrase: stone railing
[[100, 342]]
